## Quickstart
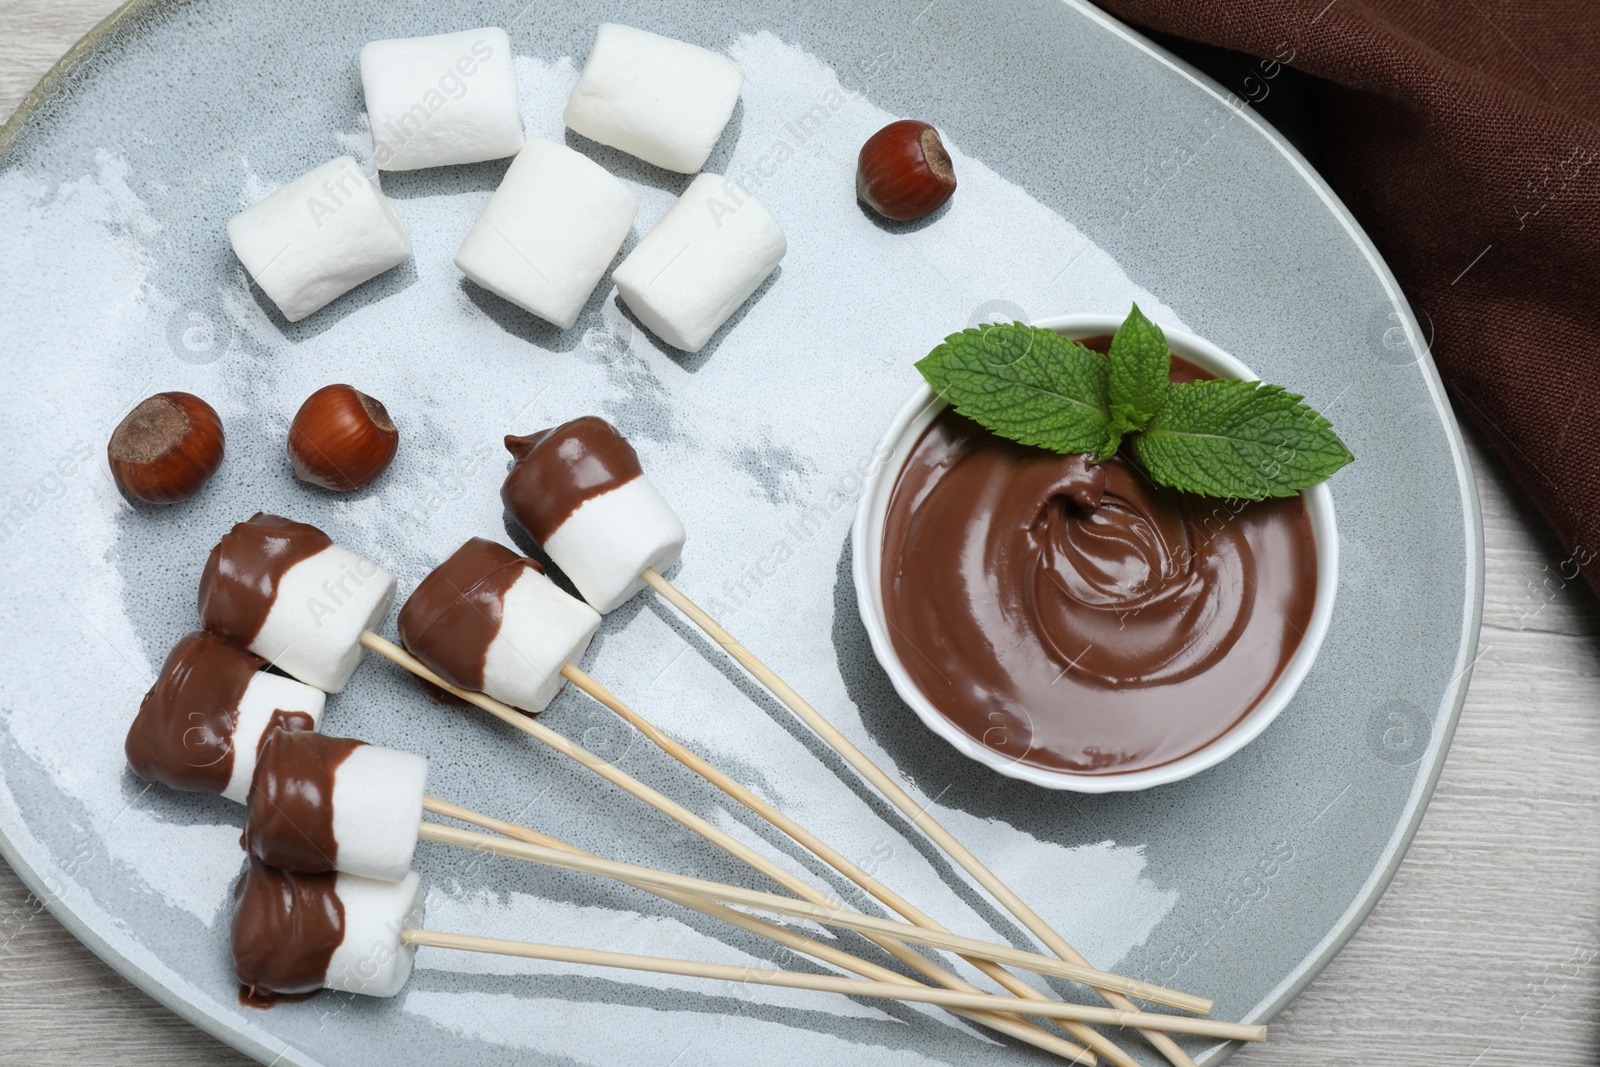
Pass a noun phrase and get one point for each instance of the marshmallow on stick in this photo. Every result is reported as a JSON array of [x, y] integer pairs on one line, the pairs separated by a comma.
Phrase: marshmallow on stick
[[211, 709], [661, 99], [292, 828], [319, 237], [710, 251], [547, 488], [322, 803], [549, 232], [488, 620], [294, 933], [440, 100], [285, 591], [579, 492], [556, 477], [531, 726]]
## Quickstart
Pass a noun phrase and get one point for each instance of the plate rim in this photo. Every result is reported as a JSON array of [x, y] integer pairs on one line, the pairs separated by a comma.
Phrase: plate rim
[[1448, 713], [1454, 698], [142, 979]]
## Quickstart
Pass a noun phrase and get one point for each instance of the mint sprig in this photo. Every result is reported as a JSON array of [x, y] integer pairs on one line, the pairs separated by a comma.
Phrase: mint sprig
[[1140, 363], [1217, 437], [1246, 440], [1032, 386]]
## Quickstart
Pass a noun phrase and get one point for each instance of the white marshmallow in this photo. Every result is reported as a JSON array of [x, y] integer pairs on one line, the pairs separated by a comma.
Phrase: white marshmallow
[[606, 545], [541, 630], [377, 810], [265, 694], [654, 97], [549, 232], [711, 250], [372, 959], [318, 237], [436, 101], [324, 602]]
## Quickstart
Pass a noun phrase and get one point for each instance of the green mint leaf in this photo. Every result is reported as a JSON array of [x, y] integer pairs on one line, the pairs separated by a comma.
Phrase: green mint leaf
[[1243, 440], [1028, 384], [1140, 364]]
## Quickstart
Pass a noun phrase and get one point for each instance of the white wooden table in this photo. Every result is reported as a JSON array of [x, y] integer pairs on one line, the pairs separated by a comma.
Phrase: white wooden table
[[1484, 951]]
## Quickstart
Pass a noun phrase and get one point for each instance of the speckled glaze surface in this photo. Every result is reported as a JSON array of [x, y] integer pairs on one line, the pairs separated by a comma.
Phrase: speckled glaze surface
[[1093, 170]]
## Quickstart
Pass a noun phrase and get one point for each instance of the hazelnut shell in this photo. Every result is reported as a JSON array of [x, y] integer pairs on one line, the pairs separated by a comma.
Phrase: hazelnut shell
[[904, 172], [341, 439], [166, 448]]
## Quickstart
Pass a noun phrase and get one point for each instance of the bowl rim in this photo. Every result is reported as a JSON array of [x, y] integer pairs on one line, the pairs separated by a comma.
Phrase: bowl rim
[[889, 457]]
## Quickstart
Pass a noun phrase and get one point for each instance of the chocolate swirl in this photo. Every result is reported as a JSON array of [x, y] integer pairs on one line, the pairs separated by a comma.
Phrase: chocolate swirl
[[454, 615], [556, 470], [290, 819], [1082, 618], [240, 580], [1130, 564], [286, 927]]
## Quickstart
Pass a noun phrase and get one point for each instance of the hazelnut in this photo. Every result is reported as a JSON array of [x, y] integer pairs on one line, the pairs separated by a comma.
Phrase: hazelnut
[[166, 448], [341, 439], [904, 173]]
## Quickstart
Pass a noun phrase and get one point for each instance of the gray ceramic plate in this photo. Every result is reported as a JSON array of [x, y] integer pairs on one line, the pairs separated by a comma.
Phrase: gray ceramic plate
[[1094, 170]]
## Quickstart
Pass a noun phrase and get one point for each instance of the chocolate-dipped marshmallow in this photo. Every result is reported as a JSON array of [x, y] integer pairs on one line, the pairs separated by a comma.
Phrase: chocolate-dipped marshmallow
[[332, 804], [489, 620], [294, 934], [211, 709], [284, 590], [579, 491]]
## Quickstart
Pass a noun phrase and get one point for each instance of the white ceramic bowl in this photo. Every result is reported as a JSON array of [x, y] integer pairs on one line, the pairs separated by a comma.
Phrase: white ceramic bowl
[[893, 451]]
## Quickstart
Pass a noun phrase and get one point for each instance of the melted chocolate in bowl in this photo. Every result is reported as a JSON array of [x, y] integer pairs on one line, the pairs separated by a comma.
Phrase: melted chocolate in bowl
[[1081, 618]]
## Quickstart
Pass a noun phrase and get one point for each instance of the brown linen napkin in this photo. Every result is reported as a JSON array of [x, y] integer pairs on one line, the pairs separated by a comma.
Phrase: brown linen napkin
[[1463, 135]]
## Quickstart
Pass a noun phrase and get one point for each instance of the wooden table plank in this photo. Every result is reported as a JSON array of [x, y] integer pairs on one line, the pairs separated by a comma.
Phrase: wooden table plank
[[1483, 951]]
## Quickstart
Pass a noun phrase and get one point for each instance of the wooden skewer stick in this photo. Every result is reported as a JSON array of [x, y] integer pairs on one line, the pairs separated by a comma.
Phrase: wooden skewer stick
[[825, 852], [891, 791], [835, 915], [1007, 1024], [829, 984], [679, 814]]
